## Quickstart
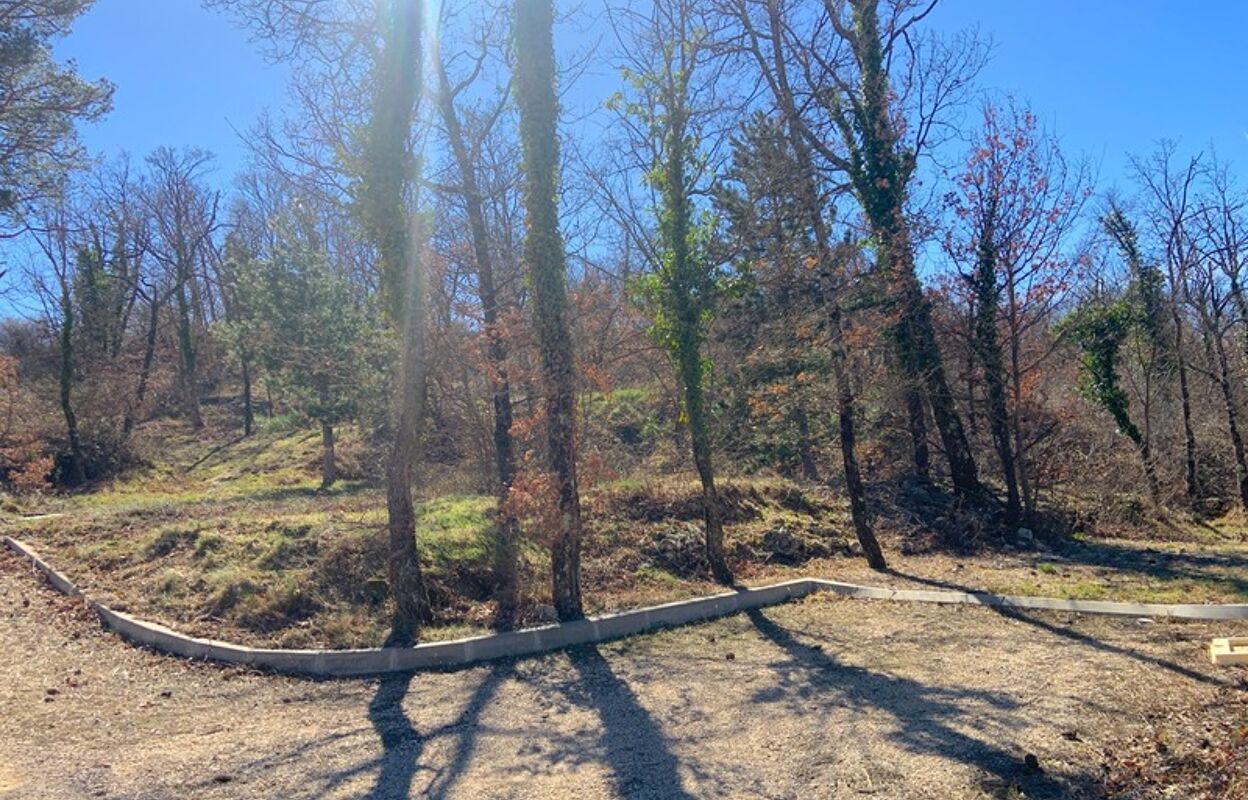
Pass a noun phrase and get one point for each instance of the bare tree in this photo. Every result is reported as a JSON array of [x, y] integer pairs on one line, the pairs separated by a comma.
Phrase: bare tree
[[466, 153], [1214, 285], [1015, 204], [1169, 190], [57, 234], [184, 216]]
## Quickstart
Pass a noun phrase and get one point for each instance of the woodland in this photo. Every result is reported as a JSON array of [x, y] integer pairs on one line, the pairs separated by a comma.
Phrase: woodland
[[522, 312], [796, 240]]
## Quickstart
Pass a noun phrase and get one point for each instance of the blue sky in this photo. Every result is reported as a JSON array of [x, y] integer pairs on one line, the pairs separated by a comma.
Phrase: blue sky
[[184, 76], [1109, 76]]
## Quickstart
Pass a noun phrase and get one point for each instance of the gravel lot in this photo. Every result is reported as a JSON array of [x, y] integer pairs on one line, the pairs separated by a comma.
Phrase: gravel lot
[[826, 698]]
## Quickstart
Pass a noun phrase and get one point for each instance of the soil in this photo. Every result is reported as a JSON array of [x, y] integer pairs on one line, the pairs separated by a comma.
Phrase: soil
[[828, 697]]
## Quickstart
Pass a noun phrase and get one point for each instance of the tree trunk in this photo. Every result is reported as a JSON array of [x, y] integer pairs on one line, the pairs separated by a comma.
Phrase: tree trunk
[[988, 349], [149, 355], [187, 372], [388, 171], [1016, 397], [1185, 398], [249, 417], [690, 359], [544, 260], [329, 467], [972, 413], [921, 359], [407, 583], [1150, 469], [507, 540], [917, 420], [1232, 418], [828, 286], [1020, 444], [853, 478], [805, 452], [880, 177], [77, 469], [999, 422]]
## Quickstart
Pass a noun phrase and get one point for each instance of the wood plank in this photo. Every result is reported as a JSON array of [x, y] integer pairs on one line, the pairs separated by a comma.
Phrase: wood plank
[[1229, 651]]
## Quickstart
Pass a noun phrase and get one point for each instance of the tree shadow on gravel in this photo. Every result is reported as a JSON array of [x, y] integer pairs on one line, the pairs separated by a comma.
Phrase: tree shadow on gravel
[[403, 743], [1071, 634], [924, 715], [467, 729], [632, 743]]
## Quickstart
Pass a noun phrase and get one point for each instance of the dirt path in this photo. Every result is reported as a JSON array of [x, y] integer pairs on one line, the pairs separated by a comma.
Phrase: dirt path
[[824, 698]]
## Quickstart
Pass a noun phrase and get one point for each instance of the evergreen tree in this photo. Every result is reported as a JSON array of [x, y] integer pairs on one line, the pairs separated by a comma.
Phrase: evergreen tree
[[42, 101]]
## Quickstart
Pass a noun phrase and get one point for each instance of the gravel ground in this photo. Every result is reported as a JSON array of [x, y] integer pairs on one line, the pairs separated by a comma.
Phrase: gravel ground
[[827, 698]]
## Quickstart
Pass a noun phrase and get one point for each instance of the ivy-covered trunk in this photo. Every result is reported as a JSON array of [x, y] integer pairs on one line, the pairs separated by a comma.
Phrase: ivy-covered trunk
[[987, 347], [691, 370], [1100, 327], [387, 176], [149, 356], [76, 473], [544, 261], [188, 372], [880, 173]]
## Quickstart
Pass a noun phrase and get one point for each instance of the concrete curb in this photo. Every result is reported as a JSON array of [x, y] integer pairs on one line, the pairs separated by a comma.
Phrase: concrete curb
[[460, 652]]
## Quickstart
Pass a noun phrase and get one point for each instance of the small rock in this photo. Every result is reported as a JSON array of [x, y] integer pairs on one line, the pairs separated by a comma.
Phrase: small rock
[[1144, 621], [1071, 736], [730, 656], [53, 690], [1025, 535]]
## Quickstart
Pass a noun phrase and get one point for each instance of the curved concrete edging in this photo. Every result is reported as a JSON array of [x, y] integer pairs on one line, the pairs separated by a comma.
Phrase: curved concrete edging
[[531, 641]]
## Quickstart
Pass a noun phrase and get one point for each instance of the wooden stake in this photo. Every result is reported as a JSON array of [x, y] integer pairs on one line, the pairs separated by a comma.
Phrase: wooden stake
[[1232, 650]]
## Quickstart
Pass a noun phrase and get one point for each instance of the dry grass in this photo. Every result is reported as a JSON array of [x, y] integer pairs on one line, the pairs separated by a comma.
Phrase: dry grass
[[230, 538]]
